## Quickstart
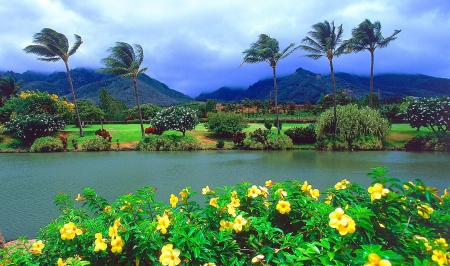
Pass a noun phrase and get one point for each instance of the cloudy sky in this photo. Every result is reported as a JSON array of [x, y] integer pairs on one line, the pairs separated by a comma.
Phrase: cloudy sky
[[195, 46]]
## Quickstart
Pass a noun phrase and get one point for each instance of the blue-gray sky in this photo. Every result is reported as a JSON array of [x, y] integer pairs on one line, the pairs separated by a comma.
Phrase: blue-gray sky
[[196, 46]]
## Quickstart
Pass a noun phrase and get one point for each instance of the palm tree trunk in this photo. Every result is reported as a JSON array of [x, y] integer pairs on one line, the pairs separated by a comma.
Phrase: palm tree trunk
[[74, 99], [138, 106], [371, 79], [333, 86], [276, 99]]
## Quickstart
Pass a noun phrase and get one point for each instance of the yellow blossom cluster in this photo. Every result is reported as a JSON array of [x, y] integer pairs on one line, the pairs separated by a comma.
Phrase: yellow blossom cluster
[[424, 210], [69, 230], [342, 222], [253, 192], [173, 200], [237, 225], [206, 190], [440, 257], [169, 255], [163, 223], [100, 243], [37, 247], [377, 191], [375, 260], [307, 189], [116, 240], [342, 185]]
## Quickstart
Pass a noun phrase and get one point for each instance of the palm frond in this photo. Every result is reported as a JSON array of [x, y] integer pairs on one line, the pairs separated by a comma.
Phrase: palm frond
[[76, 45]]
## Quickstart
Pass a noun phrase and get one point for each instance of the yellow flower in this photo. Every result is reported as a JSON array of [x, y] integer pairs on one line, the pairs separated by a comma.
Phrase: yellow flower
[[281, 193], [254, 192], [184, 193], [264, 191], [107, 209], [375, 260], [424, 210], [283, 206], [213, 202], [225, 225], [439, 257], [441, 242], [231, 210], [305, 187], [269, 183], [342, 185], [234, 194], [235, 202], [377, 191], [61, 262], [163, 223], [37, 247], [209, 264], [100, 243], [341, 222], [329, 199], [79, 198], [117, 223], [127, 205], [258, 258], [425, 242], [173, 200], [205, 190], [238, 223], [314, 193], [116, 244], [169, 255], [113, 231], [69, 230]]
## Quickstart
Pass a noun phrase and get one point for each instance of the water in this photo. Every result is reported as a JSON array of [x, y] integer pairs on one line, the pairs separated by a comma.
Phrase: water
[[29, 182]]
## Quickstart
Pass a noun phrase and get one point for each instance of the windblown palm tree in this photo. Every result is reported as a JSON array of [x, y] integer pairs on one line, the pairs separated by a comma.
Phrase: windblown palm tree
[[367, 36], [267, 49], [53, 46], [125, 62], [325, 41], [8, 88]]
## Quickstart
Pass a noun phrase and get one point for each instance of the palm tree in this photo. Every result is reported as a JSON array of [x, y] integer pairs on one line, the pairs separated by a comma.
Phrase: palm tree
[[125, 62], [8, 88], [267, 49], [367, 36], [53, 46], [324, 41]]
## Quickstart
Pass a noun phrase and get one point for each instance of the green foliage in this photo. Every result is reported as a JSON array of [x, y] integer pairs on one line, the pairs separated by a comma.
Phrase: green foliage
[[30, 127], [225, 123], [89, 111], [429, 142], [168, 143], [302, 135], [432, 113], [47, 144], [375, 101], [267, 125], [352, 122], [266, 140], [391, 112], [148, 110], [281, 223], [220, 144], [175, 118], [326, 101], [96, 144], [114, 108]]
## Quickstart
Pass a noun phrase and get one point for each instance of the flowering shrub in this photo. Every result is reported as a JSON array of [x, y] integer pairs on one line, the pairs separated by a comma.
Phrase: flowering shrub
[[95, 144], [104, 134], [280, 223], [152, 130], [175, 118], [432, 113], [30, 127]]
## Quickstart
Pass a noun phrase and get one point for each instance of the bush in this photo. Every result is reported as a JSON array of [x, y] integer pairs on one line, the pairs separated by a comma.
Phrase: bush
[[152, 130], [225, 124], [175, 118], [168, 143], [96, 144], [266, 140], [104, 134], [267, 125], [302, 135], [30, 127], [281, 223], [47, 144], [238, 139], [220, 144], [352, 122], [429, 142]]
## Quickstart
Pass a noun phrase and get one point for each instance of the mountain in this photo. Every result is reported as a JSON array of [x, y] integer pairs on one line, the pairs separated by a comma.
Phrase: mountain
[[303, 85], [87, 84]]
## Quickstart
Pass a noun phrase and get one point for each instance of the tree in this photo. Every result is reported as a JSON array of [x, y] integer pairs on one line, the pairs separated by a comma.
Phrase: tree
[[53, 46], [432, 113], [267, 49], [175, 118], [89, 111], [324, 41], [114, 108], [8, 88], [225, 124], [125, 62], [247, 103], [367, 36]]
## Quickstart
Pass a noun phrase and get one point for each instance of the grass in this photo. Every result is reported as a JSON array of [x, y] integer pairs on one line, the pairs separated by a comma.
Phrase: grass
[[131, 133]]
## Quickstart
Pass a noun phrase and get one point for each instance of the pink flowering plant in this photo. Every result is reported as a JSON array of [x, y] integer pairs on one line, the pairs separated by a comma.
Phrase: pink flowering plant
[[276, 223]]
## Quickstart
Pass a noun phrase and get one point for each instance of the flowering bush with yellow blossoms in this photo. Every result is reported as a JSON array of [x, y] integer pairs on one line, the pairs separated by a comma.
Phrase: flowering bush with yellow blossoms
[[276, 223]]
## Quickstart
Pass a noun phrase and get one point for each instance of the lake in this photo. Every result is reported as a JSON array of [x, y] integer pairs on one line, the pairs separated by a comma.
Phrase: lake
[[29, 181]]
